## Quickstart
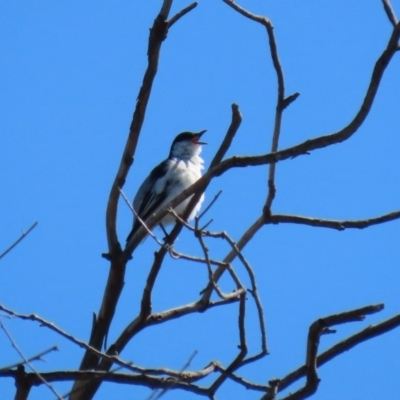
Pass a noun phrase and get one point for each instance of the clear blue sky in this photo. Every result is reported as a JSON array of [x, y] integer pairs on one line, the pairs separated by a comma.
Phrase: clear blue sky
[[69, 76]]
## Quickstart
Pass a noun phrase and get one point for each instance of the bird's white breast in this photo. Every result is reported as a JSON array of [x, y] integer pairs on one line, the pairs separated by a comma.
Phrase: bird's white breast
[[182, 174]]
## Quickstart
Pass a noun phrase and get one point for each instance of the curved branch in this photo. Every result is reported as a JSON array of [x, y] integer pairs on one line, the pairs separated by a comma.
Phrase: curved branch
[[368, 333], [281, 102]]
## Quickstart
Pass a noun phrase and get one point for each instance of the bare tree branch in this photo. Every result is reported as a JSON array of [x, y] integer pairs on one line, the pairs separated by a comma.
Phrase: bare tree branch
[[209, 206], [333, 224], [281, 102], [149, 381], [318, 328], [343, 346]]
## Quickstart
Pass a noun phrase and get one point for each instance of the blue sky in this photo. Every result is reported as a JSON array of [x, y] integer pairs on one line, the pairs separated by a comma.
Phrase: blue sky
[[69, 77]]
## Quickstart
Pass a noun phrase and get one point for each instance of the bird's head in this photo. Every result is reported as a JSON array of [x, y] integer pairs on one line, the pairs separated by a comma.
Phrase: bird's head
[[187, 145]]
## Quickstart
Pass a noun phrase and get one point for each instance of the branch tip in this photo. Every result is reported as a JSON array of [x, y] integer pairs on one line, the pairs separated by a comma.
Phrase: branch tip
[[181, 13], [289, 100]]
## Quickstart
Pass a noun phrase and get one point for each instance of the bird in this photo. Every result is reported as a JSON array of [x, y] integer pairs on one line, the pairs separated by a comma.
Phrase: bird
[[170, 178]]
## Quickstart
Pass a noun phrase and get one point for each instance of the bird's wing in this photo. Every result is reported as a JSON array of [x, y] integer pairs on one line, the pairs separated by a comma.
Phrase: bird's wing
[[151, 194]]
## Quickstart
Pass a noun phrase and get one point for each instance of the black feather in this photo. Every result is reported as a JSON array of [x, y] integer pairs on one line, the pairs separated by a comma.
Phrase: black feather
[[150, 197]]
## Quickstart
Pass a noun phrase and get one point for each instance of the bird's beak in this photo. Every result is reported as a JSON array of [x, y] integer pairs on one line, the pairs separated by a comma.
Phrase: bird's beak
[[198, 136]]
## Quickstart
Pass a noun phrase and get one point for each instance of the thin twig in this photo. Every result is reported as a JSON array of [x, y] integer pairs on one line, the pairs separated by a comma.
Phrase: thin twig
[[333, 224], [246, 237], [181, 13], [280, 102], [237, 362], [27, 362], [253, 291], [140, 219], [179, 219], [238, 379], [178, 255], [210, 205], [165, 390], [208, 263], [230, 134], [24, 234], [199, 233], [37, 357]]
